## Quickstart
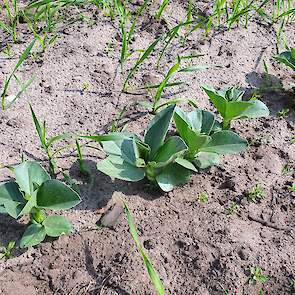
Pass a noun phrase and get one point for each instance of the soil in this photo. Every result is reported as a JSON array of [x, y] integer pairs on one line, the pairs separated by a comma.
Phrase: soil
[[196, 247]]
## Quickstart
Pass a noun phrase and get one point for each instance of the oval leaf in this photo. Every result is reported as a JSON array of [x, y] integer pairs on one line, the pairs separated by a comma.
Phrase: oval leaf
[[171, 148], [29, 174], [157, 129], [56, 226], [34, 235], [204, 160], [9, 191], [55, 195], [171, 176], [116, 167], [186, 164], [257, 110], [225, 142]]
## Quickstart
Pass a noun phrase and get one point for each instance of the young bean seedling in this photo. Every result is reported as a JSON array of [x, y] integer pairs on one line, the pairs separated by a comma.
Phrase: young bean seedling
[[230, 105], [283, 113], [256, 193], [155, 157], [205, 139], [203, 197], [7, 251], [257, 276], [168, 161], [232, 209], [31, 193]]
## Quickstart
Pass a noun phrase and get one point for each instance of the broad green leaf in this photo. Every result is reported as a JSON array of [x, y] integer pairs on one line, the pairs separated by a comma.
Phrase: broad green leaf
[[9, 191], [56, 226], [208, 122], [116, 167], [130, 151], [194, 140], [235, 109], [257, 110], [13, 208], [154, 277], [218, 101], [34, 235], [186, 164], [157, 129], [287, 58], [232, 94], [171, 176], [126, 148], [225, 142], [55, 195], [192, 120], [170, 149], [11, 199], [204, 160], [112, 147], [29, 174]]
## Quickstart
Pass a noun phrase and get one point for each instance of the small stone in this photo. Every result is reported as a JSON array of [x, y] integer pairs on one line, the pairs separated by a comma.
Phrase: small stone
[[148, 244], [243, 254]]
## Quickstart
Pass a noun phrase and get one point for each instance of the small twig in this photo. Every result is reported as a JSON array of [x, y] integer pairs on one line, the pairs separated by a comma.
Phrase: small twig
[[268, 224]]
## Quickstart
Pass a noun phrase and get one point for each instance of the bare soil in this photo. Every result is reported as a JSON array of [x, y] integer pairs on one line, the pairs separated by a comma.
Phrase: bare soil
[[196, 247]]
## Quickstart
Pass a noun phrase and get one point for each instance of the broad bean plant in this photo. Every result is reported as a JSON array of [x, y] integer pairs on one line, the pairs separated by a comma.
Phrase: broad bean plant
[[31, 193]]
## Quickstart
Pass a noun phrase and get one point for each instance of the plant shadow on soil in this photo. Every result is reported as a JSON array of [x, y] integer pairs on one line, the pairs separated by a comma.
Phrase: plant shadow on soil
[[273, 94], [97, 194]]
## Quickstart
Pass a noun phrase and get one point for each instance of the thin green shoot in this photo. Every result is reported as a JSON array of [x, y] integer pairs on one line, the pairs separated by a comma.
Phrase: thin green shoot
[[283, 113], [256, 193], [154, 277], [139, 61], [203, 197], [46, 143], [232, 209], [7, 251], [84, 169], [161, 9], [256, 275], [22, 58]]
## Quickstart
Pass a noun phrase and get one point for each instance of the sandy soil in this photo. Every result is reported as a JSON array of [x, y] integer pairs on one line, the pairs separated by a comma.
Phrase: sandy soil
[[196, 247]]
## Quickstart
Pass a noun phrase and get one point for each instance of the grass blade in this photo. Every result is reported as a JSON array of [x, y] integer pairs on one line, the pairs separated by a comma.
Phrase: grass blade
[[140, 60], [154, 277], [39, 129], [161, 9], [22, 58]]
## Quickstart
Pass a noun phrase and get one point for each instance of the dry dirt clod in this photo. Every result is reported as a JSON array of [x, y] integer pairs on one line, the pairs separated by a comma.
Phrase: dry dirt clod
[[110, 218]]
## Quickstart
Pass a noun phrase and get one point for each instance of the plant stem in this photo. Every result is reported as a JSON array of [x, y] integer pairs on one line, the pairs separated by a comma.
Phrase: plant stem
[[225, 125]]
